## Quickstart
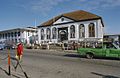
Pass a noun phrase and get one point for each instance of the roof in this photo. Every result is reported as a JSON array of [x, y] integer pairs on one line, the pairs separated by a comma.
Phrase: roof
[[17, 29], [79, 15]]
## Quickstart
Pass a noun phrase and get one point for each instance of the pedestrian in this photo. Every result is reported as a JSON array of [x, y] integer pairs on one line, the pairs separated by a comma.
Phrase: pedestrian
[[19, 53]]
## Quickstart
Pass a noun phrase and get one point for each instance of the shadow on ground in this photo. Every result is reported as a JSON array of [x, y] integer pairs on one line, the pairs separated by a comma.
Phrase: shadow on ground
[[104, 76], [13, 58], [79, 56], [12, 64], [4, 71], [73, 55], [8, 73]]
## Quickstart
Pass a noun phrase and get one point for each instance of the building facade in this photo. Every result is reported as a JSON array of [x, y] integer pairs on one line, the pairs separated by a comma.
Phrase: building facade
[[13, 36], [78, 26]]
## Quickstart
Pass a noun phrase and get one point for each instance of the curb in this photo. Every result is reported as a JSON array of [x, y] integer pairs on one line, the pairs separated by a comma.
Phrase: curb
[[51, 50]]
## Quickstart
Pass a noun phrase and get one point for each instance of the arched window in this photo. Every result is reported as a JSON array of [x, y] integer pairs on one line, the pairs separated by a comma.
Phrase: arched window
[[72, 31], [81, 30], [42, 34], [91, 30], [48, 33], [54, 33]]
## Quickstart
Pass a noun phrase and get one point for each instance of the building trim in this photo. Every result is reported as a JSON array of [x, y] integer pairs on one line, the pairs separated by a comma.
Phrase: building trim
[[71, 22]]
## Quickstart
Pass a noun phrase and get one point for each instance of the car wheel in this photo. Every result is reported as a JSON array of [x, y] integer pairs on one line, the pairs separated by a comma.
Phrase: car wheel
[[89, 56]]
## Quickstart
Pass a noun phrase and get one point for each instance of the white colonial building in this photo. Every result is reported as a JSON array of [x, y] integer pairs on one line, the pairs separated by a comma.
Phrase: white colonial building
[[18, 35], [78, 26]]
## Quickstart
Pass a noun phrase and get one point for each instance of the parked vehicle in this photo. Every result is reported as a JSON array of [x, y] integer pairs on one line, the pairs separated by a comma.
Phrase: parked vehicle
[[10, 46], [102, 52], [1, 47]]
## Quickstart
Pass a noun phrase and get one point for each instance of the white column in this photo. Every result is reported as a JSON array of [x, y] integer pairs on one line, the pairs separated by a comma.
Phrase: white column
[[77, 32], [86, 30], [68, 33]]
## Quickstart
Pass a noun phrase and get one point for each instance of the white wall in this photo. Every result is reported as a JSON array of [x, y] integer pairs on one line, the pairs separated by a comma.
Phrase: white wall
[[98, 29], [39, 35], [24, 35], [59, 21]]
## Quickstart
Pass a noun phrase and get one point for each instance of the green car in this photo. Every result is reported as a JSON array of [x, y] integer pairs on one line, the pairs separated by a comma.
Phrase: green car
[[102, 52]]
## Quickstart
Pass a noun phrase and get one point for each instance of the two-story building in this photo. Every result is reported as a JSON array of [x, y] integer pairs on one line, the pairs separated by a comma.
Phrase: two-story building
[[77, 26], [18, 35]]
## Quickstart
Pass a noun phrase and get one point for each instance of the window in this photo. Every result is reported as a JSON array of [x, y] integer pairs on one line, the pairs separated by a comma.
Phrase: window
[[3, 35], [91, 30], [15, 34], [48, 33], [6, 35], [18, 33], [11, 34], [15, 40], [81, 30], [72, 31], [54, 33], [42, 34], [62, 19], [28, 33]]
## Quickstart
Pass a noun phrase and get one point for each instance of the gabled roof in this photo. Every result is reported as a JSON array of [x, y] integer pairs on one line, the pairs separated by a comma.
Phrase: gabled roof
[[79, 15]]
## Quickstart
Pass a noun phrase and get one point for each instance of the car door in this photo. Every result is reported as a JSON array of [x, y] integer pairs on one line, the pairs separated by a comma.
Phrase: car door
[[107, 52], [114, 53]]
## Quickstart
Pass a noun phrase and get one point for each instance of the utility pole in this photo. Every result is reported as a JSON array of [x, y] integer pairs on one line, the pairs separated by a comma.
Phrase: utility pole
[[35, 33]]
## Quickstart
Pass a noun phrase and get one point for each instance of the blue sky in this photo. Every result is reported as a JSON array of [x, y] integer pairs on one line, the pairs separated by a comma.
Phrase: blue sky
[[23, 13]]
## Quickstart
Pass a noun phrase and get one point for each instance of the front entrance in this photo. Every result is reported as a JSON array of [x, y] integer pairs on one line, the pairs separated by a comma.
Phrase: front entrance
[[63, 34]]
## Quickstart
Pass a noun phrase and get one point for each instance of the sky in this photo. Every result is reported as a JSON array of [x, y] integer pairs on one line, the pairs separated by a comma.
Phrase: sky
[[24, 13]]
